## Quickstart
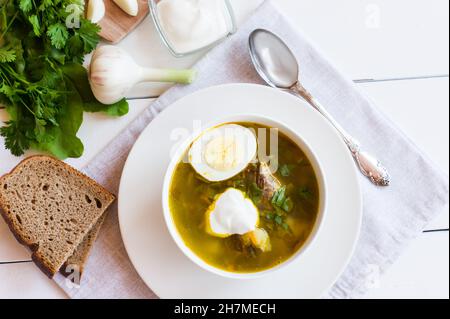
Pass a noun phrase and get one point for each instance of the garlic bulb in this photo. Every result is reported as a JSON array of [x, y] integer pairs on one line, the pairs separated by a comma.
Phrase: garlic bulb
[[113, 73], [129, 6], [95, 10]]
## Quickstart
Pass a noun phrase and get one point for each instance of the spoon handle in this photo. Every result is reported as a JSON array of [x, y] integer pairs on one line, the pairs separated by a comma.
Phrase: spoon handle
[[369, 165]]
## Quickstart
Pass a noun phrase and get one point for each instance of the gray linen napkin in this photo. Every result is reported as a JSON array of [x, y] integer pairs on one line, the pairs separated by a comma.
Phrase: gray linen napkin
[[393, 216]]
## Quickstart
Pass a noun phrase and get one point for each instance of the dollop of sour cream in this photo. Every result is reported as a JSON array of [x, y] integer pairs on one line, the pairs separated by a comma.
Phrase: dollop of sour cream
[[193, 24], [232, 213]]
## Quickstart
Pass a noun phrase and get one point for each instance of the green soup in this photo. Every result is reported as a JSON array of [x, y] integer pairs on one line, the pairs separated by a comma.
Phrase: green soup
[[288, 216]]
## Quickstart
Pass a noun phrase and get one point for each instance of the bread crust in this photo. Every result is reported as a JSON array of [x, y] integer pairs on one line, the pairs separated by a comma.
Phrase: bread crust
[[35, 246]]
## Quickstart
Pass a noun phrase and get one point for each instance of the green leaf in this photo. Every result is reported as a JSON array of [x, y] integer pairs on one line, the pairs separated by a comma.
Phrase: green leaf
[[89, 33], [15, 138], [26, 5], [45, 4], [58, 56], [71, 115], [9, 91], [7, 55], [58, 35], [34, 20], [40, 131], [63, 142], [62, 145], [120, 108], [117, 109], [75, 49], [79, 78]]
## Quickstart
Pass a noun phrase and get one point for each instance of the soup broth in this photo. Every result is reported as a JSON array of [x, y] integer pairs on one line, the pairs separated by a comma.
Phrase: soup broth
[[288, 216]]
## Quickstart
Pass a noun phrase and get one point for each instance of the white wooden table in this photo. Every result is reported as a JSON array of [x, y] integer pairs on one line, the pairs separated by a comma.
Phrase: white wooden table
[[398, 53]]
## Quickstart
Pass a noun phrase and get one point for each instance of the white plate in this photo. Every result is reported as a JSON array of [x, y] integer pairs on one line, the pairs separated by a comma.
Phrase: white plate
[[154, 254]]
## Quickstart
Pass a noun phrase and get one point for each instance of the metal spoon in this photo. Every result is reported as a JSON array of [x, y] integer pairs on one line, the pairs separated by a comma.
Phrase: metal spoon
[[277, 65]]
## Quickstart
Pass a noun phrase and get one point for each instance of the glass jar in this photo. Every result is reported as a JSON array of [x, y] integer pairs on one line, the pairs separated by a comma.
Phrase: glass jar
[[228, 16]]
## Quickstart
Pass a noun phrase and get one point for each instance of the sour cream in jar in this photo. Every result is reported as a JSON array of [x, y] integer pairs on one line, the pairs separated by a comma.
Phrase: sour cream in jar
[[190, 25]]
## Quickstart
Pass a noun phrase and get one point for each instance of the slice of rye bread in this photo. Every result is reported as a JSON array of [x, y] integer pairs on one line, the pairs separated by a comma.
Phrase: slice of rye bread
[[78, 260], [50, 207]]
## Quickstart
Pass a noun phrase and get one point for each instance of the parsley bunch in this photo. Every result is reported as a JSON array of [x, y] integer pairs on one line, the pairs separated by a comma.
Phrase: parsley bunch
[[43, 85]]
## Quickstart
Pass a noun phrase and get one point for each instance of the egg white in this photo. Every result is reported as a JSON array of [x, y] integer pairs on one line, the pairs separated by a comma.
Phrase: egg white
[[223, 152]]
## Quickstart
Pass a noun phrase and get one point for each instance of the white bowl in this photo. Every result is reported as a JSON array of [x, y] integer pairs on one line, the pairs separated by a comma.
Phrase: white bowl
[[181, 150]]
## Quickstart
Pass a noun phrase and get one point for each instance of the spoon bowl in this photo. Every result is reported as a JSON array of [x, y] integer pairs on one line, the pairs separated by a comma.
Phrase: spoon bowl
[[273, 59]]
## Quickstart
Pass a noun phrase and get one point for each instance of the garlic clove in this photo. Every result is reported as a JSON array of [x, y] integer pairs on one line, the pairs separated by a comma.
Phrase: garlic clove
[[129, 6], [95, 10]]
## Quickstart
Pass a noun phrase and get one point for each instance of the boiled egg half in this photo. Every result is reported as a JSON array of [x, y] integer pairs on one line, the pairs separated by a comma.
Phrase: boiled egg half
[[232, 213], [223, 152]]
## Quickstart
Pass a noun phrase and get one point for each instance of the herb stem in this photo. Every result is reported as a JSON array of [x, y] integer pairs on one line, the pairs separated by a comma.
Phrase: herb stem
[[9, 24]]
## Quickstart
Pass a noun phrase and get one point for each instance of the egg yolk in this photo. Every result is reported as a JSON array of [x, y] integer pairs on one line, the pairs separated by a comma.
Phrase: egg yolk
[[223, 153]]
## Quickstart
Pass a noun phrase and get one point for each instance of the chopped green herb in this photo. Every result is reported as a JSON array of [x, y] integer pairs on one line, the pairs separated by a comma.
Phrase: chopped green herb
[[280, 200], [240, 184], [255, 193], [278, 220], [286, 170], [305, 193], [288, 205], [279, 196]]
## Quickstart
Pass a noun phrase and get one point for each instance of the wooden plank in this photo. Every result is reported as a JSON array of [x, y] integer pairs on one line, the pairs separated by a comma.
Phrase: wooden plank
[[421, 271], [116, 24], [377, 38], [26, 281]]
